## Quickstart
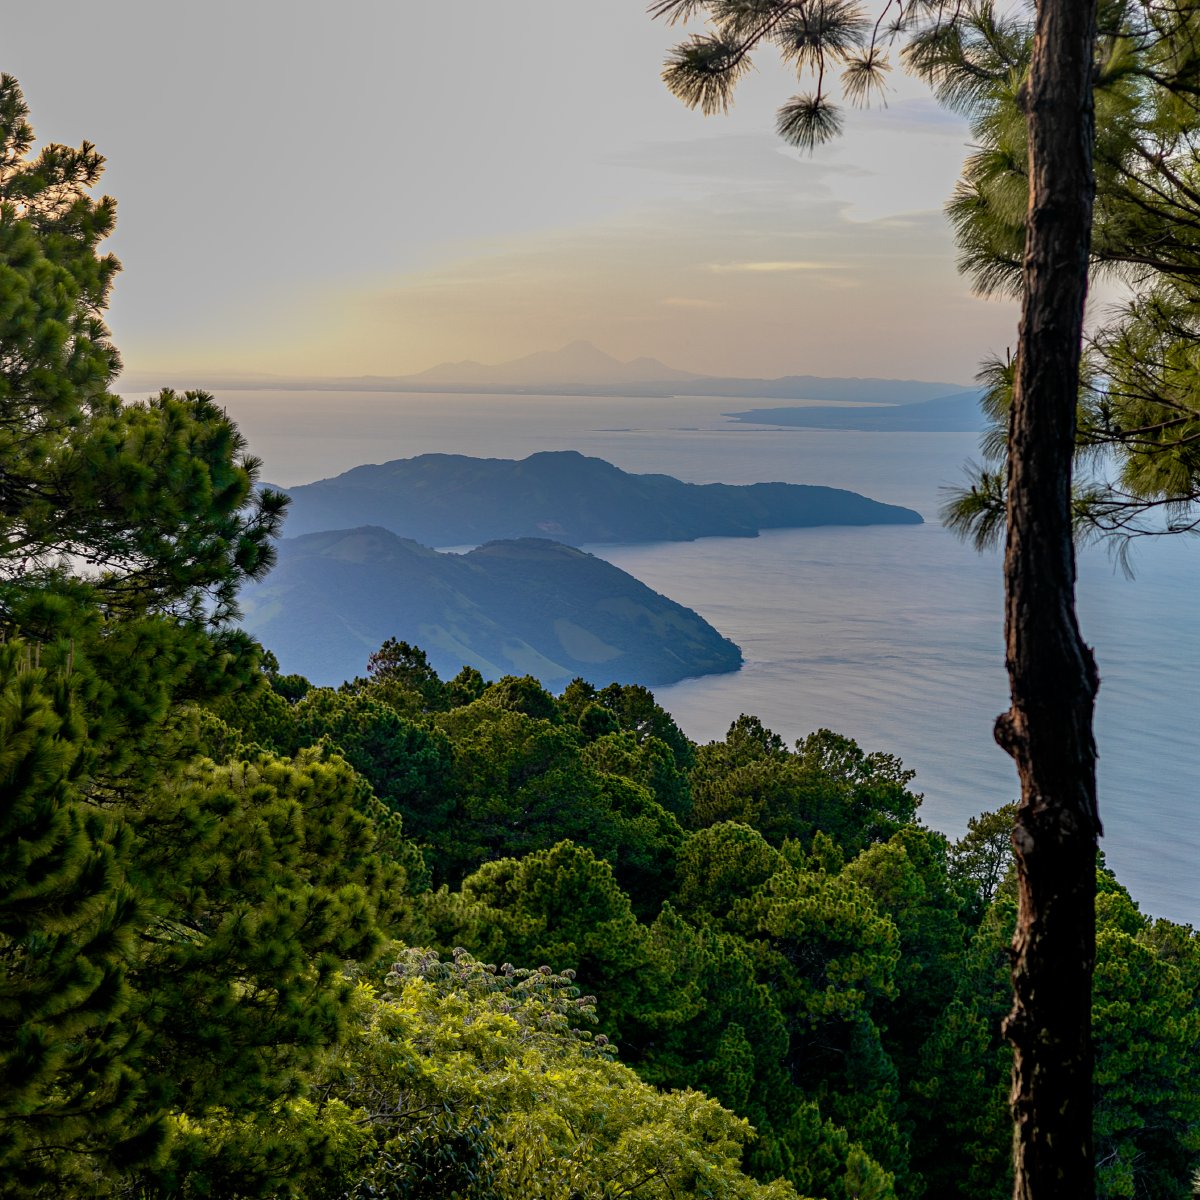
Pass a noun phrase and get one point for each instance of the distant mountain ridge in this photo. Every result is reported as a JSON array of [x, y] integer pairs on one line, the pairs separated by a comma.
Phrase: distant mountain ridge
[[578, 369], [519, 607], [454, 500], [579, 362]]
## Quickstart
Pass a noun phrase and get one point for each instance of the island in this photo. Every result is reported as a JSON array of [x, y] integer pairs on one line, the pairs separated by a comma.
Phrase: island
[[455, 500], [518, 607], [960, 413]]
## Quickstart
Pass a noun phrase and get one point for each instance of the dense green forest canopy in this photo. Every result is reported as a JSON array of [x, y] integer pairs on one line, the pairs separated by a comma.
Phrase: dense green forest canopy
[[415, 937]]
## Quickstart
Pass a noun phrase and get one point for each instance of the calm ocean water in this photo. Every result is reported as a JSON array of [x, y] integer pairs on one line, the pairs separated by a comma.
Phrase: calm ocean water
[[891, 634]]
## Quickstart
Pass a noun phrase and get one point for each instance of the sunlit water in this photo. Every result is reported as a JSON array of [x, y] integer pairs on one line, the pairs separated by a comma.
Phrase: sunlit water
[[889, 634]]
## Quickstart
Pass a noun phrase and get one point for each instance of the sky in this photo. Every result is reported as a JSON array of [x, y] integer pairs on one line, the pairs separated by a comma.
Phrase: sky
[[380, 186]]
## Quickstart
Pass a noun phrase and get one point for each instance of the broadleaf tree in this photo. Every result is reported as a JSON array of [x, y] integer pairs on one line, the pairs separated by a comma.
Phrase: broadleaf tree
[[1052, 675]]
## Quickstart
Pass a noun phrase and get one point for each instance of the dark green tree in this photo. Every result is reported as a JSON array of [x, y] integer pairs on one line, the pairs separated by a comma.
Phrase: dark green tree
[[829, 958], [637, 712], [1144, 1019], [981, 860], [401, 675], [828, 785], [908, 878], [520, 784], [564, 908], [408, 767], [649, 762], [721, 864], [67, 1092], [962, 1141]]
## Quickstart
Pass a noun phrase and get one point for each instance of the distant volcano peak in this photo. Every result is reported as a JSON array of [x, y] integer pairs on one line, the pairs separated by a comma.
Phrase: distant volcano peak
[[578, 362]]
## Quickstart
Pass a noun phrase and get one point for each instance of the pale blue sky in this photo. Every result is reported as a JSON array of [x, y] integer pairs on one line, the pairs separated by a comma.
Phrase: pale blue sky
[[383, 186]]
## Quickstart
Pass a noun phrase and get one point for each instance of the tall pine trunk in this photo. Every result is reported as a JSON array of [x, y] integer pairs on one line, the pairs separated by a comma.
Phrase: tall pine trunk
[[1048, 730]]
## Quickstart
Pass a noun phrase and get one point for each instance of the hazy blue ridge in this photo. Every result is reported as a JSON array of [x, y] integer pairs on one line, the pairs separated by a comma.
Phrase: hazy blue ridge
[[787, 387], [529, 606], [454, 500], [949, 414]]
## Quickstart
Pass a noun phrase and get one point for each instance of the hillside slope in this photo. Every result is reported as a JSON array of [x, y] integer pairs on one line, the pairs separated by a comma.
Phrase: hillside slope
[[510, 607]]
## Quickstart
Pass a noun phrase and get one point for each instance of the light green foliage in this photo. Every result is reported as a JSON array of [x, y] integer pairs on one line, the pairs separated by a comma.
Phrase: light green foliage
[[497, 1071], [560, 907], [299, 1149]]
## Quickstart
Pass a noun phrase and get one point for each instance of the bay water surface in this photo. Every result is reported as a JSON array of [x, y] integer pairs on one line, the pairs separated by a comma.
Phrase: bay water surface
[[890, 634]]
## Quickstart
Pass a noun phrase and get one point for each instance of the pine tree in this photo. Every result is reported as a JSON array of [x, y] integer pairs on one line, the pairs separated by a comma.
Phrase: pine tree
[[66, 1091], [1140, 393], [172, 930], [156, 499], [1052, 676]]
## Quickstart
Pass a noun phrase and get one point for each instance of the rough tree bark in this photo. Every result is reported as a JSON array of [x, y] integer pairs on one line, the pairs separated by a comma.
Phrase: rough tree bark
[[1052, 674]]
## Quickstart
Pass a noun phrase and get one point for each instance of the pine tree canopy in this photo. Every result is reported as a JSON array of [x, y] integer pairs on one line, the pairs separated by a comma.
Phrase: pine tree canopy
[[1139, 404], [152, 504]]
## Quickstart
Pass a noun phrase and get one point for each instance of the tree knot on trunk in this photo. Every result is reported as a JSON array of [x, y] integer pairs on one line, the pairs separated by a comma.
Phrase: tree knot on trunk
[[1007, 732]]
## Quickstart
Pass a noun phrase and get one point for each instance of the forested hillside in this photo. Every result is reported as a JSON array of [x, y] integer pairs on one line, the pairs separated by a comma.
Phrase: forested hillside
[[425, 938]]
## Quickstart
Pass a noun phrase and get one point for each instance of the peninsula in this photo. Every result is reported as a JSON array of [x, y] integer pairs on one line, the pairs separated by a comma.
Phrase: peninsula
[[453, 500]]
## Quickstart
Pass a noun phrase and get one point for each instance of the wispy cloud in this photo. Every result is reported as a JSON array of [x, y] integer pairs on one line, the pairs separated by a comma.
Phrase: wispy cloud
[[776, 265], [688, 302]]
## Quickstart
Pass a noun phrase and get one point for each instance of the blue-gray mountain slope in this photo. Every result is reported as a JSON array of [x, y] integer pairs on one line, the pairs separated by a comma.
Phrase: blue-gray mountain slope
[[511, 607]]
